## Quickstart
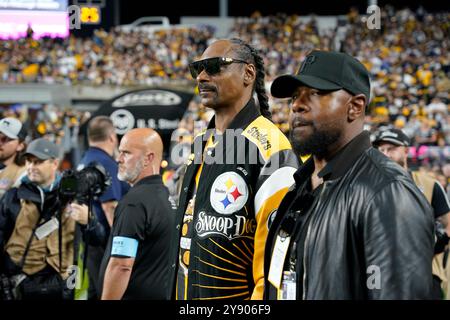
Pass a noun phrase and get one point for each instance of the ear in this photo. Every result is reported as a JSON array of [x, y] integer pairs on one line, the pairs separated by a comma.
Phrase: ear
[[113, 137], [357, 108], [405, 152], [20, 147], [249, 74], [148, 158], [56, 163]]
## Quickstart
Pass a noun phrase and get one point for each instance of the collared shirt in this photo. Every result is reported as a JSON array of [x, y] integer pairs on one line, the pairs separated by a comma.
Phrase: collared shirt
[[234, 203], [306, 199]]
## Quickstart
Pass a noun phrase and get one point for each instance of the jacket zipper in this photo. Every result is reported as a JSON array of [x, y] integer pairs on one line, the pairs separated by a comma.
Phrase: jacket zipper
[[41, 193], [306, 241]]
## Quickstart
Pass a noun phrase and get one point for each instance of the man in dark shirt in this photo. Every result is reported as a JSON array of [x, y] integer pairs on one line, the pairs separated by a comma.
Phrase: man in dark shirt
[[103, 145], [136, 256], [354, 225]]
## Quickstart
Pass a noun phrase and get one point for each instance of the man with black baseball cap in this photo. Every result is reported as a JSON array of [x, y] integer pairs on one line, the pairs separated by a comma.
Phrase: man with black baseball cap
[[327, 71], [12, 146], [346, 214], [394, 144], [32, 253], [395, 136]]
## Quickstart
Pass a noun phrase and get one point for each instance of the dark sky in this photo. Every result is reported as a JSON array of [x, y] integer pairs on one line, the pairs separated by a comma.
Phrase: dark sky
[[132, 10]]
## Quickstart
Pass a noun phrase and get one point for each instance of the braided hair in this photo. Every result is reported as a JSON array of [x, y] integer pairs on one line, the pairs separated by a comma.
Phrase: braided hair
[[247, 53]]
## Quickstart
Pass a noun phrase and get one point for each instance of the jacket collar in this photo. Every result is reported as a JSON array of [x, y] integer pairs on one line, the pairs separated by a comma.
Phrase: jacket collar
[[32, 192], [340, 163], [50, 188], [153, 179], [244, 117], [97, 149], [346, 157]]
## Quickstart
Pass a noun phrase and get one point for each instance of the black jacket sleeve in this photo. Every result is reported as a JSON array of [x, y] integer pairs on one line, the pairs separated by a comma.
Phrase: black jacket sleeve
[[9, 209], [398, 236]]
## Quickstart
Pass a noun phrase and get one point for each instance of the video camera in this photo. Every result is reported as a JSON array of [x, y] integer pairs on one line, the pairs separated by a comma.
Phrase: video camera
[[85, 184]]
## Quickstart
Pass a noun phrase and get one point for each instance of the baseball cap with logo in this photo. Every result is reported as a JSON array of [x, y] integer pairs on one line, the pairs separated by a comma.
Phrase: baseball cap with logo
[[394, 136], [325, 70], [43, 149], [12, 128]]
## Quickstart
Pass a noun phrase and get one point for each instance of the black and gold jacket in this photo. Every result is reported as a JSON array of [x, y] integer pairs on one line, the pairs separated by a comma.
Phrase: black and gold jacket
[[245, 173]]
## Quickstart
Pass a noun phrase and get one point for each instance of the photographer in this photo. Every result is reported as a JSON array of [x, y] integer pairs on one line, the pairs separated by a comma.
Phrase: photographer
[[78, 191], [103, 144], [37, 242]]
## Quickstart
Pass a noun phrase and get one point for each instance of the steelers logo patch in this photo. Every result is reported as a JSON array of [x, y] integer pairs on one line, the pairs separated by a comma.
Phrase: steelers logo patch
[[229, 193]]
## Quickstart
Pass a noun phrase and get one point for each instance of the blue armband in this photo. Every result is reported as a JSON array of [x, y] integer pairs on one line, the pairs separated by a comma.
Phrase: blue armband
[[123, 246]]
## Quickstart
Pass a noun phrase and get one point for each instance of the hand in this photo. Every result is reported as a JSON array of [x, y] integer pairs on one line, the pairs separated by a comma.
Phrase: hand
[[79, 213]]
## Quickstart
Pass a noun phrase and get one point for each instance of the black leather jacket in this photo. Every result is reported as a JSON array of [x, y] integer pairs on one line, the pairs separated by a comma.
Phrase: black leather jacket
[[369, 213]]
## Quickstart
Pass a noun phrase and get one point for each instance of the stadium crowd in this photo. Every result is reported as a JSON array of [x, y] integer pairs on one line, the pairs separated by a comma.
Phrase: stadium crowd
[[409, 62], [116, 57]]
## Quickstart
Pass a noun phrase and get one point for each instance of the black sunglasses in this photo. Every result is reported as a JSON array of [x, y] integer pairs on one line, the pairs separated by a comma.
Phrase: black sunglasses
[[211, 66]]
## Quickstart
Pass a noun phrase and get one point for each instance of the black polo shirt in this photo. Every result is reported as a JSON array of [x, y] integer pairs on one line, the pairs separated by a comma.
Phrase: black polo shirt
[[143, 218]]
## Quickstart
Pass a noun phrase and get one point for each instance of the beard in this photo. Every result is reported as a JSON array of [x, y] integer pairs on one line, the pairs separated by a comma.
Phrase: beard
[[401, 163], [4, 156], [131, 175], [316, 143]]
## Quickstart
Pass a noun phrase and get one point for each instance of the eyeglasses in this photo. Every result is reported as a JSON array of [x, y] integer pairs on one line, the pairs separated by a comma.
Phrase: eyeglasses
[[5, 139], [212, 66]]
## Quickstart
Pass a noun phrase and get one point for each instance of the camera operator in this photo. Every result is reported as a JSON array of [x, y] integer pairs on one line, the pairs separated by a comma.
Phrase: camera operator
[[135, 264], [36, 241], [103, 144]]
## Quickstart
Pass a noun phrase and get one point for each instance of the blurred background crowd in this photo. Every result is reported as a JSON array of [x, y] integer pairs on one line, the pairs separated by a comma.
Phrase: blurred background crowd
[[409, 62]]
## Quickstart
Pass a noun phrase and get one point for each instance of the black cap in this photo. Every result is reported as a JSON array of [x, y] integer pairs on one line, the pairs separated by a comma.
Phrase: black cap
[[325, 70], [395, 136]]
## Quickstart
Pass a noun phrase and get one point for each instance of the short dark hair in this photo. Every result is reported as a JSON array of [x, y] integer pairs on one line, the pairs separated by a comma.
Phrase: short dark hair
[[100, 128]]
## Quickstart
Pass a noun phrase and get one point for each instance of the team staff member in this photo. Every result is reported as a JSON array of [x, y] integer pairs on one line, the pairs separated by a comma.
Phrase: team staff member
[[12, 146], [236, 176], [136, 257], [394, 144], [355, 226]]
